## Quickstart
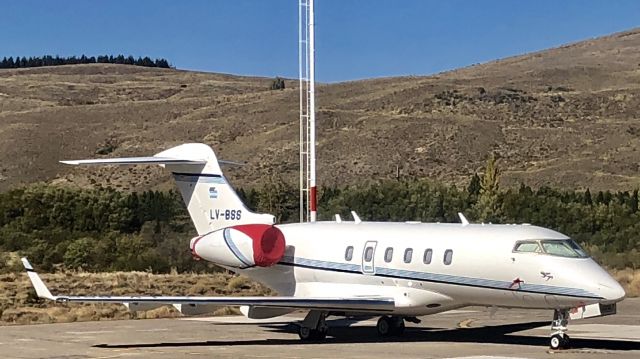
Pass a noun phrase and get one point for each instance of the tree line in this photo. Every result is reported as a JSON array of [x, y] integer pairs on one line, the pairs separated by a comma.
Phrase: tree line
[[48, 60], [105, 230]]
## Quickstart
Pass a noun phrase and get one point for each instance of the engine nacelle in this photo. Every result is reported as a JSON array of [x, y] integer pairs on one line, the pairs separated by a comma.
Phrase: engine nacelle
[[241, 246]]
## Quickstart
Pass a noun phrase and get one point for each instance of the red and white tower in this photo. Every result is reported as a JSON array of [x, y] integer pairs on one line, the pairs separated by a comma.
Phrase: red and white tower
[[306, 67]]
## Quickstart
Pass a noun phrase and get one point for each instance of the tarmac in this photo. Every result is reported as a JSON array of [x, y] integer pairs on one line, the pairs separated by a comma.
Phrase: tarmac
[[469, 333]]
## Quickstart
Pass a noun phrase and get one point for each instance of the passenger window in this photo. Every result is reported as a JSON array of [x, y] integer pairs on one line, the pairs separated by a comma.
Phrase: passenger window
[[448, 256], [348, 254], [408, 253], [428, 254], [368, 254], [388, 255]]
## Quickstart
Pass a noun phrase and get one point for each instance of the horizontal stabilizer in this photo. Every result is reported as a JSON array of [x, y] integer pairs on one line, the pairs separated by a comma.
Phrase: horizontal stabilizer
[[351, 304], [136, 161], [199, 178]]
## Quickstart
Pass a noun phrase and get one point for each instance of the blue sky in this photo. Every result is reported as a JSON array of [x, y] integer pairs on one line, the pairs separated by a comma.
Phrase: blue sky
[[355, 38]]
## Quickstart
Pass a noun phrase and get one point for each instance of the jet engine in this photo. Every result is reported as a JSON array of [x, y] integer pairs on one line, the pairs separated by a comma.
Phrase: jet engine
[[241, 246]]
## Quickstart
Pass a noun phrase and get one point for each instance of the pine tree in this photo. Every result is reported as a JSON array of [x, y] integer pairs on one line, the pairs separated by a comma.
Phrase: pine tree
[[474, 185], [162, 63], [146, 62], [439, 210], [277, 84], [587, 197], [487, 205]]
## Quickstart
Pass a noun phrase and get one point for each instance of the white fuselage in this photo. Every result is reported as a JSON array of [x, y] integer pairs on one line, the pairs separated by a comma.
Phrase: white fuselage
[[483, 270]]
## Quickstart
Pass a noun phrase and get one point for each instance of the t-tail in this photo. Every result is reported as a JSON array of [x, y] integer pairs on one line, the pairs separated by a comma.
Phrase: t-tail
[[211, 201]]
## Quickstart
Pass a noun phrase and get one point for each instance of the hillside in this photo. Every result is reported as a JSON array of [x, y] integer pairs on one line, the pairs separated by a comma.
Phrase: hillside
[[565, 117]]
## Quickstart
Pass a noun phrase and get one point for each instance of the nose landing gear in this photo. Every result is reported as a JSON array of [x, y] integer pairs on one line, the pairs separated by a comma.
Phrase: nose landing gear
[[559, 338]]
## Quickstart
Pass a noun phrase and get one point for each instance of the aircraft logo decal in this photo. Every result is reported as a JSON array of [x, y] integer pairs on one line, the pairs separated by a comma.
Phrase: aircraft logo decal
[[213, 193]]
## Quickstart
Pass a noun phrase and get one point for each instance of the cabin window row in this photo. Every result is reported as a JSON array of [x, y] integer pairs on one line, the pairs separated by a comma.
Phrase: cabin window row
[[407, 257], [426, 257]]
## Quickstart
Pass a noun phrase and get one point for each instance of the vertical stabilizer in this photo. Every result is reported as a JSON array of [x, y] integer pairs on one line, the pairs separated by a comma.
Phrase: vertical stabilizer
[[211, 201]]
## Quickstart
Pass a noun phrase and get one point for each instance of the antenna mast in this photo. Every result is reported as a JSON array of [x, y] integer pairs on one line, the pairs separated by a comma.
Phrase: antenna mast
[[306, 69]]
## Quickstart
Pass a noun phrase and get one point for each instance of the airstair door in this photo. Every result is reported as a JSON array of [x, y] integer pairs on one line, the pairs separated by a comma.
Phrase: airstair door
[[368, 255]]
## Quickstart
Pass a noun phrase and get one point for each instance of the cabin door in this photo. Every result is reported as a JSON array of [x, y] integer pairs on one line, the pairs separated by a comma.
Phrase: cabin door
[[368, 255]]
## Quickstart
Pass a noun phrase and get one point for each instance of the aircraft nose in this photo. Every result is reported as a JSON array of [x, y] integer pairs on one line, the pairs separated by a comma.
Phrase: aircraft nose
[[612, 291]]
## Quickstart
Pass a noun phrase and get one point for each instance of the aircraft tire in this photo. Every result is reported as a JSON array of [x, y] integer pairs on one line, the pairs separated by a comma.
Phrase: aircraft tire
[[385, 326], [557, 342], [398, 326], [307, 334], [320, 334]]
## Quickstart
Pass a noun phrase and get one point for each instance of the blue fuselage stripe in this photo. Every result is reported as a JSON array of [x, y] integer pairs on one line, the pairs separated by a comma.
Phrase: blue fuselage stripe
[[234, 249], [436, 278]]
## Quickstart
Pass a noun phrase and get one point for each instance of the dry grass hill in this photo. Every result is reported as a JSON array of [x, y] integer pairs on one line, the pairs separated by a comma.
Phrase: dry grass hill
[[565, 117]]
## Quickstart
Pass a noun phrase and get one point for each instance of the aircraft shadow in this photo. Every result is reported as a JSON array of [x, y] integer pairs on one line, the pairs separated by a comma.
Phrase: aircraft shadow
[[498, 334]]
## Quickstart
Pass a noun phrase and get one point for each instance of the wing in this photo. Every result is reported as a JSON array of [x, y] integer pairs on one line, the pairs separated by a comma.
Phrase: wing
[[355, 304]]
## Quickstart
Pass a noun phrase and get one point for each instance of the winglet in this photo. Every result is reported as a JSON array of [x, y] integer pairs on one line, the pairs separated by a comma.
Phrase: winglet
[[463, 219], [41, 290]]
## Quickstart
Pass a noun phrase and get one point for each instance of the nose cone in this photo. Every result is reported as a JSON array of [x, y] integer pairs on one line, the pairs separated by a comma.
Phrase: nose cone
[[590, 275], [611, 291]]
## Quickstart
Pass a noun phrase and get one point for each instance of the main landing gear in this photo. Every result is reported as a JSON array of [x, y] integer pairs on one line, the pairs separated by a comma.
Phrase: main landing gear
[[390, 326], [559, 338], [313, 327]]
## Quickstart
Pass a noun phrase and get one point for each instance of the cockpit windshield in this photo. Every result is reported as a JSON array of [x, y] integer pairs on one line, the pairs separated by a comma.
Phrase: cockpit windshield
[[530, 247], [555, 247]]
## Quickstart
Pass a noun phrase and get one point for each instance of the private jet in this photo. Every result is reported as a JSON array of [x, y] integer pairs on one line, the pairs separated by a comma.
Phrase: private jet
[[397, 271]]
